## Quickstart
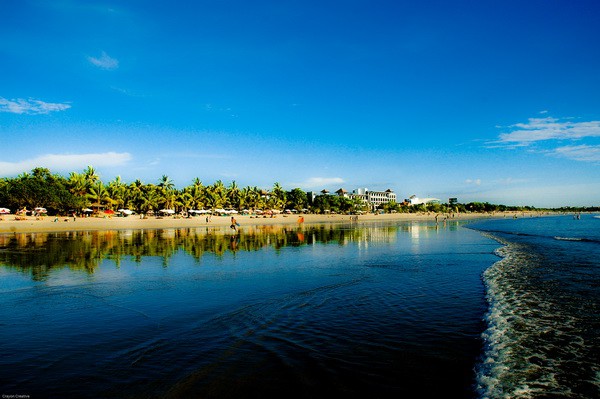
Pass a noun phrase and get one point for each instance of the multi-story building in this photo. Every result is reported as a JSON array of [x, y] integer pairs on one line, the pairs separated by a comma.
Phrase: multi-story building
[[374, 198]]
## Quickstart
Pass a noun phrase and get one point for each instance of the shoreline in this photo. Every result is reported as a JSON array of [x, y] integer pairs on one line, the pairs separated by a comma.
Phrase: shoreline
[[47, 224]]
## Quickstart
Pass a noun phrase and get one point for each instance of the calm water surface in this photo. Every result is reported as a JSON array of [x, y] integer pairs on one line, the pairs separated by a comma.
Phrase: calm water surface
[[378, 309]]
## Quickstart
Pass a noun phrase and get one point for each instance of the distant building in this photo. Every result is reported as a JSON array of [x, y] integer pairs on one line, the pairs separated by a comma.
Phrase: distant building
[[414, 200], [342, 193], [371, 198]]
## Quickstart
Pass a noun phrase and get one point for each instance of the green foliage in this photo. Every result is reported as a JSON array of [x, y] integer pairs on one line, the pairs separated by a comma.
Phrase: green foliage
[[38, 189], [296, 199], [60, 195]]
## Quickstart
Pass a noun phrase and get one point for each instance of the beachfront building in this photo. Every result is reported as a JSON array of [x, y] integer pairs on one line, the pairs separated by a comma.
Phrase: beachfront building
[[373, 198]]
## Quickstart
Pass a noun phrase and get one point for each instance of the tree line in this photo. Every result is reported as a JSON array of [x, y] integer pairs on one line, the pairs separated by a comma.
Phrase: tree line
[[62, 195]]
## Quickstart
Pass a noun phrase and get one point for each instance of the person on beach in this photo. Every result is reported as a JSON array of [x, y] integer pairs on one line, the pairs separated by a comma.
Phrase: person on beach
[[301, 219], [234, 223]]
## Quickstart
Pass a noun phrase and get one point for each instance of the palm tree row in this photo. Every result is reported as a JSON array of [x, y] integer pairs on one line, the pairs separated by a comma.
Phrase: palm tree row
[[141, 197]]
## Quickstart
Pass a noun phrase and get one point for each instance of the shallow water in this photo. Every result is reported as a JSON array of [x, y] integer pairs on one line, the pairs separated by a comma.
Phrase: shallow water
[[543, 335], [312, 312]]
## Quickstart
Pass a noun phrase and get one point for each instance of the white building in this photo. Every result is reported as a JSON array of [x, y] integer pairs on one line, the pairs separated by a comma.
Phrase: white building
[[374, 198], [414, 200]]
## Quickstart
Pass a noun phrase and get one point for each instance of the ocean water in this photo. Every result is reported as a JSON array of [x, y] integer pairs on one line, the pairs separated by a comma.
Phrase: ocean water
[[543, 323], [501, 308], [361, 310]]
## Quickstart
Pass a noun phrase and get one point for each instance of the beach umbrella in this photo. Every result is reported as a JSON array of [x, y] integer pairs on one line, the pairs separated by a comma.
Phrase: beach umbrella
[[126, 211], [87, 210], [4, 211], [40, 210], [109, 212], [167, 211]]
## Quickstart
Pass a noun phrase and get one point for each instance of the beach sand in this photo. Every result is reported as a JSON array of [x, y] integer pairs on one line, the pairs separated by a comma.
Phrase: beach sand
[[8, 224]]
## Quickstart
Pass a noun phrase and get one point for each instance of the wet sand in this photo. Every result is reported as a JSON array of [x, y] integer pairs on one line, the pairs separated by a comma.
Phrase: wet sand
[[9, 224]]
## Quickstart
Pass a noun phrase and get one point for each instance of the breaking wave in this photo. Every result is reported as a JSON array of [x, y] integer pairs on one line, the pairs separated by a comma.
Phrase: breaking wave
[[539, 341]]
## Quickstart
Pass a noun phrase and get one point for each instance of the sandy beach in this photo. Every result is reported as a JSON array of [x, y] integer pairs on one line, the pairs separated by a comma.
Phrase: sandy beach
[[11, 224]]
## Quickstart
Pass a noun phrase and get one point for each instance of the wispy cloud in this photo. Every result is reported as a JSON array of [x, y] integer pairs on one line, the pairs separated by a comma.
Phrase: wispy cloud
[[587, 153], [543, 129], [545, 135], [104, 61], [30, 106], [65, 162], [476, 182]]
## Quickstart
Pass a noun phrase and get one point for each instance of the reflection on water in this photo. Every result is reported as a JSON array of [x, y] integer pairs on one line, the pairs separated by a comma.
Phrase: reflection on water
[[38, 253], [354, 310]]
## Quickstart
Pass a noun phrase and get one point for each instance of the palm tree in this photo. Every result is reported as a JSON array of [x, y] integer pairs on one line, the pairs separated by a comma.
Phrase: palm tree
[[135, 195], [233, 195], [185, 199], [167, 191], [196, 190], [216, 195], [117, 191], [258, 198], [99, 194], [212, 199], [166, 183], [277, 198], [90, 175], [78, 184], [150, 198], [169, 199]]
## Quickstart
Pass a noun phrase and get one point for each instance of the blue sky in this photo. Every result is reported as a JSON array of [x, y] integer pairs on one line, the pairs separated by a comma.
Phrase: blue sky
[[480, 100]]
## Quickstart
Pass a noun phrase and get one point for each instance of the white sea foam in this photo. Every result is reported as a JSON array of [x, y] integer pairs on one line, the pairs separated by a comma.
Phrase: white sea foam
[[522, 353], [568, 238]]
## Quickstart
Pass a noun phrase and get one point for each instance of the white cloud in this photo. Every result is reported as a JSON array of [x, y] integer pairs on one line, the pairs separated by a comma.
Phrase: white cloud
[[65, 162], [587, 153], [544, 129], [319, 182], [30, 106], [477, 182], [104, 61], [543, 135]]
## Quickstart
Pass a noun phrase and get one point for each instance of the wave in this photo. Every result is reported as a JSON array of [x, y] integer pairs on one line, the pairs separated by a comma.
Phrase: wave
[[493, 233], [534, 344], [579, 239]]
